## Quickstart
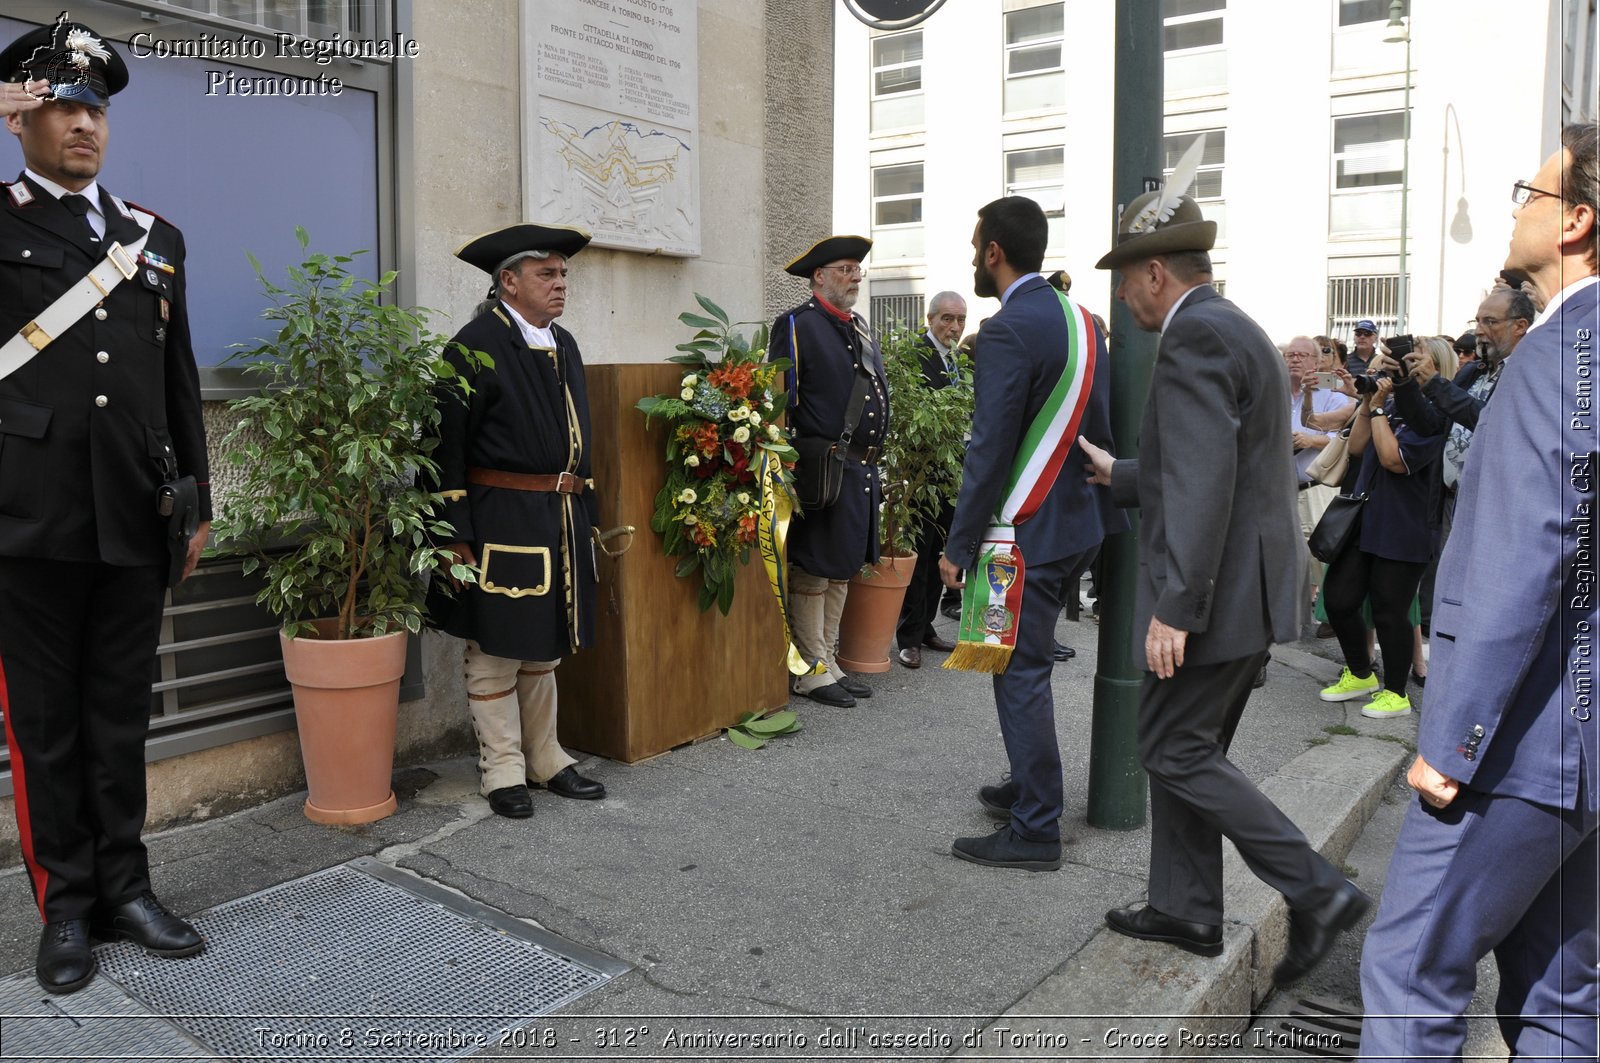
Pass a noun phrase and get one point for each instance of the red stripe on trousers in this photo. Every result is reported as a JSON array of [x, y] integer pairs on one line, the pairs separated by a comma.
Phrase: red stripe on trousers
[[19, 796]]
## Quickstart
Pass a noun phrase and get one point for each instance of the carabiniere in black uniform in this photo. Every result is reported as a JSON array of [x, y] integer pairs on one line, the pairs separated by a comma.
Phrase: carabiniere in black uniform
[[90, 428]]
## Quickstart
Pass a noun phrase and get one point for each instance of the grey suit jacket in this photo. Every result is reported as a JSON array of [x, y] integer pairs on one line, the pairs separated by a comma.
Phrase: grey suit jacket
[[1219, 543]]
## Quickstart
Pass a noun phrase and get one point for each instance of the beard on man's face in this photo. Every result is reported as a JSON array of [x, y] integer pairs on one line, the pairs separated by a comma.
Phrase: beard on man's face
[[983, 282]]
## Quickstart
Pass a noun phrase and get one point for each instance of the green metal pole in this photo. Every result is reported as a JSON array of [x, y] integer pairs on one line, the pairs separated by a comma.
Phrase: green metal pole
[[1116, 781]]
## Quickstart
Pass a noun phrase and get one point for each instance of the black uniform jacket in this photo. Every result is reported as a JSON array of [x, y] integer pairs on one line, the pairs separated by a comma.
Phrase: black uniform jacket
[[94, 424], [826, 352], [529, 414]]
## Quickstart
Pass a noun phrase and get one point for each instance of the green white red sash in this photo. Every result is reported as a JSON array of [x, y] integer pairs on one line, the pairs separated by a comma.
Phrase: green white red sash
[[992, 600]]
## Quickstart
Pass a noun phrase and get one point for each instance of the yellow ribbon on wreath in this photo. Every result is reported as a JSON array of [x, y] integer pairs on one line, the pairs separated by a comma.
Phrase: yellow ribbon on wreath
[[772, 534]]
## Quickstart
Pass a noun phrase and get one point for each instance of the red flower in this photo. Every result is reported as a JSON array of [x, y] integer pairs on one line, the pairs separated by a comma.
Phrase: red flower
[[735, 380], [747, 528]]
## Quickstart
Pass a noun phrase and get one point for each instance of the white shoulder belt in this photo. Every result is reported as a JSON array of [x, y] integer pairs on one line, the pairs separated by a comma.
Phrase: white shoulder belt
[[120, 264]]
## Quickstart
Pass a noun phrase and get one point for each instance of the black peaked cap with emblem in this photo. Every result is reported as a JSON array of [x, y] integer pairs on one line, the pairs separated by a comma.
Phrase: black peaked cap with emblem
[[492, 249], [80, 66], [830, 250]]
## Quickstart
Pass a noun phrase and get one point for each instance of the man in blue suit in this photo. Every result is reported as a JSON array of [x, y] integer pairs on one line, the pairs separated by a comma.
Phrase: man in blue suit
[[1499, 851], [1025, 353]]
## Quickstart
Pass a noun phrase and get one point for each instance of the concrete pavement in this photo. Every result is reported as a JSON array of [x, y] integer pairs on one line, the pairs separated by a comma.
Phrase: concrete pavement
[[808, 886]]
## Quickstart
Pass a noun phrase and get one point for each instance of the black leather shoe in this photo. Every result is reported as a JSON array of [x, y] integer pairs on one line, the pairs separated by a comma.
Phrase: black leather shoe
[[997, 800], [855, 688], [951, 610], [832, 694], [910, 657], [937, 642], [568, 783], [1147, 924], [65, 964], [1313, 932], [1004, 849], [1063, 653], [147, 923], [513, 802]]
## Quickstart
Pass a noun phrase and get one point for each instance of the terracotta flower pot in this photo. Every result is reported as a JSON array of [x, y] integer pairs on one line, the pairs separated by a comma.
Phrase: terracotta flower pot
[[346, 698], [872, 612]]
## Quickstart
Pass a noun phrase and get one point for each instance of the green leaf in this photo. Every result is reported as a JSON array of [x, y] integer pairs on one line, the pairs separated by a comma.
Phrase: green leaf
[[739, 738], [711, 308]]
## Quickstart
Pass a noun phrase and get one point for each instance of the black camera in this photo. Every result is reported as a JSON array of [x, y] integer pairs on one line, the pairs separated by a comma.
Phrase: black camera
[[1400, 346], [1367, 383]]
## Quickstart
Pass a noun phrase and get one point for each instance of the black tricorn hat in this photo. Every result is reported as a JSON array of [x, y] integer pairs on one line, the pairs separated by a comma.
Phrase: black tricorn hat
[[493, 251], [832, 249], [80, 67], [1142, 234]]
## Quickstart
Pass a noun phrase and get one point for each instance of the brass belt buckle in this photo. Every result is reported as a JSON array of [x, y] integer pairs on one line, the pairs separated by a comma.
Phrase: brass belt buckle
[[118, 256]]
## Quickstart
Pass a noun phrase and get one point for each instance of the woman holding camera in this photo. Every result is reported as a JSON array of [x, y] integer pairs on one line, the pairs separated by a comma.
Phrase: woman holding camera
[[1384, 560]]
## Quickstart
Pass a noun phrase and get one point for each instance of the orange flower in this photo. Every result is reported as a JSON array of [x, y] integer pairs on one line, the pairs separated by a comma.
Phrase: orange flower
[[702, 535], [736, 380], [747, 528], [708, 440]]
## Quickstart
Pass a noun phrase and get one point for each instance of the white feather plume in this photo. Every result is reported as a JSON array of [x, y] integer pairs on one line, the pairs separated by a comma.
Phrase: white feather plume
[[84, 41], [1160, 209]]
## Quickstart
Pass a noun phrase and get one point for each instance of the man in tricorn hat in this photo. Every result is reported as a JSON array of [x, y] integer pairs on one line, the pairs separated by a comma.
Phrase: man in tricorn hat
[[91, 430], [514, 463], [1220, 546], [834, 360]]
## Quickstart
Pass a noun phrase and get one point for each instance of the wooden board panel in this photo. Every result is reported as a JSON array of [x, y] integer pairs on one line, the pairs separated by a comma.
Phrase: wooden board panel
[[661, 673]]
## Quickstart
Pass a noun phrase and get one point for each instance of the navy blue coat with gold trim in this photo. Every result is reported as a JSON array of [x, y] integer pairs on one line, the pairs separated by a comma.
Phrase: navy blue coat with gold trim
[[93, 425], [528, 414], [825, 351]]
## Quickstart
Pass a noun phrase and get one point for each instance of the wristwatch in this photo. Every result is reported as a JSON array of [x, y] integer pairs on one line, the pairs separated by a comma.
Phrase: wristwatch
[[1377, 411]]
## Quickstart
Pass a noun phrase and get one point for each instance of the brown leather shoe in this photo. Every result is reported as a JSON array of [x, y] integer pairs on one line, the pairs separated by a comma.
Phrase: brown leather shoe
[[936, 642], [911, 657]]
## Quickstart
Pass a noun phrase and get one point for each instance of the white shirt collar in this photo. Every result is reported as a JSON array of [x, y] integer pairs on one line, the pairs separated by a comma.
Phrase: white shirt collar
[[91, 192], [1015, 284], [1174, 308], [941, 348], [1566, 293], [533, 335]]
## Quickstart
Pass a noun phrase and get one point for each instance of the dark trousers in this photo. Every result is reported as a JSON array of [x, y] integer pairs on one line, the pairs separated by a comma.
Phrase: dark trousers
[[1026, 706], [1356, 576], [77, 653], [1486, 873], [921, 606], [1198, 797]]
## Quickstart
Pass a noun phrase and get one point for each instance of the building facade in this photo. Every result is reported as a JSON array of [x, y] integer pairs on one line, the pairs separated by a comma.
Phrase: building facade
[[231, 128], [1309, 167]]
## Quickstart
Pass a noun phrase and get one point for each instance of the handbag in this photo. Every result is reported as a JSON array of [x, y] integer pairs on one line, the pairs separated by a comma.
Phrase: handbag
[[1337, 528], [1330, 466]]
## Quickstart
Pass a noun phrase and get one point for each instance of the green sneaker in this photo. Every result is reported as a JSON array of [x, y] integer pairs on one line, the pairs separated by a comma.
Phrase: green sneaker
[[1349, 687], [1386, 703]]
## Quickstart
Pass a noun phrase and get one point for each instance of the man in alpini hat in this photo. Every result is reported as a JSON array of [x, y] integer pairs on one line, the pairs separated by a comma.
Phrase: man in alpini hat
[[1220, 548]]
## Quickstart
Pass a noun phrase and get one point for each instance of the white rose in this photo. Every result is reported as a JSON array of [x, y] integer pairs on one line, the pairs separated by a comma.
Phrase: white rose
[[755, 418], [738, 413], [690, 381], [741, 434], [744, 498], [690, 518], [687, 394], [772, 431], [688, 496], [692, 460]]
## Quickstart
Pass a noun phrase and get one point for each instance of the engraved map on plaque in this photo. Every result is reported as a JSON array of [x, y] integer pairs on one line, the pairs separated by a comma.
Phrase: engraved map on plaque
[[612, 116]]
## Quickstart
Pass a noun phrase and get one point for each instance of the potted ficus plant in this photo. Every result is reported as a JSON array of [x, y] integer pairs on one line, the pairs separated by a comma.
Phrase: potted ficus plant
[[922, 454], [326, 503]]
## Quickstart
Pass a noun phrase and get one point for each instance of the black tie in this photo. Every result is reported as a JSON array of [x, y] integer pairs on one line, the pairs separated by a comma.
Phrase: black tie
[[79, 205]]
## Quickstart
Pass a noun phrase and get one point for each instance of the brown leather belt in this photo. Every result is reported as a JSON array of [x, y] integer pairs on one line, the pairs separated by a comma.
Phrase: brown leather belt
[[563, 482], [861, 452]]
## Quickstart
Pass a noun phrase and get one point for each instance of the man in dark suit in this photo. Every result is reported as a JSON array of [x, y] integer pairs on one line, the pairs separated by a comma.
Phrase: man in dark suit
[[1499, 851], [947, 317], [1220, 548], [89, 432], [1039, 347], [832, 354]]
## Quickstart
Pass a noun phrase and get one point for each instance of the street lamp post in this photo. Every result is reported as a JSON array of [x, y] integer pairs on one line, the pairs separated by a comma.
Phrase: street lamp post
[[1396, 31]]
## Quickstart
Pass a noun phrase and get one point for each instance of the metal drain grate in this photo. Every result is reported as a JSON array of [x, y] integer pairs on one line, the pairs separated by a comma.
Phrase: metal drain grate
[[1317, 1027], [357, 960]]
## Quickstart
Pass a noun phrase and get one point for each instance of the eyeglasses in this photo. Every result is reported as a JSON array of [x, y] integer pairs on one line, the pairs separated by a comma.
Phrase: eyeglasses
[[849, 271], [1364, 332], [1522, 191], [1490, 322], [1325, 350]]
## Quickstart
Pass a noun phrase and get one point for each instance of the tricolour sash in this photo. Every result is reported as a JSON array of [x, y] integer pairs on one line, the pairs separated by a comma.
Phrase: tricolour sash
[[991, 602]]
